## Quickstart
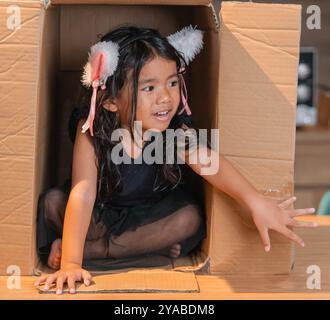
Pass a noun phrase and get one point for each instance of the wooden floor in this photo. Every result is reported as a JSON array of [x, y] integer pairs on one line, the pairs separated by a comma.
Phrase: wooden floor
[[253, 286]]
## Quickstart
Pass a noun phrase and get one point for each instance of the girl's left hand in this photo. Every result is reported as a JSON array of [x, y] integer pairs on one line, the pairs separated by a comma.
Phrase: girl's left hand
[[268, 215]]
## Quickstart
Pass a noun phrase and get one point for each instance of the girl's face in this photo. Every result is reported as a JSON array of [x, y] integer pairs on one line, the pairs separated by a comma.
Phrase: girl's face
[[158, 95]]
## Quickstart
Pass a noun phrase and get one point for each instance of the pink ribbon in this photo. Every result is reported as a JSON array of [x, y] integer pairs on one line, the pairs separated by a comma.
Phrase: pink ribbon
[[97, 70], [91, 115], [184, 96]]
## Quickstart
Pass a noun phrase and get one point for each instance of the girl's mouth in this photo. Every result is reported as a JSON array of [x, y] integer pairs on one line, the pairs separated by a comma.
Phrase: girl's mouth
[[162, 115]]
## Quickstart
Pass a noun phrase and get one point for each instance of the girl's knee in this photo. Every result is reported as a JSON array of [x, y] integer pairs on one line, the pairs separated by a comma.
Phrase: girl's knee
[[193, 240], [55, 195], [96, 249], [96, 230], [55, 202], [189, 219]]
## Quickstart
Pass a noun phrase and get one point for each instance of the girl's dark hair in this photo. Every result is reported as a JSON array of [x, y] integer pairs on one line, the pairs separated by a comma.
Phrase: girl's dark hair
[[137, 46]]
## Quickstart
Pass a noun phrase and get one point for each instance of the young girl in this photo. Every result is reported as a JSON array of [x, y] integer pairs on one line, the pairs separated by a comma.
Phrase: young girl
[[116, 210]]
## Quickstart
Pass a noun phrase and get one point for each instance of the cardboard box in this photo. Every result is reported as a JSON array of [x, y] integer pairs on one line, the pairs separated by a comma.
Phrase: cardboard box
[[248, 70]]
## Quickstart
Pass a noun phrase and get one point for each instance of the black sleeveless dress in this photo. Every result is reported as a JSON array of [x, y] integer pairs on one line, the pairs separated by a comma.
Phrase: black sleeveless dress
[[136, 203]]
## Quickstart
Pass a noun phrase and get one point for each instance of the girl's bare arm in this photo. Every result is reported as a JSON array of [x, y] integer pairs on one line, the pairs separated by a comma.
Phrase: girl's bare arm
[[81, 199], [226, 178], [266, 213]]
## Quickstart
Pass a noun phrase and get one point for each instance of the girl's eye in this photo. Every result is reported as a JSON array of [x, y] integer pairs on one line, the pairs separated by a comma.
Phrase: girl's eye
[[174, 83], [146, 88], [150, 88]]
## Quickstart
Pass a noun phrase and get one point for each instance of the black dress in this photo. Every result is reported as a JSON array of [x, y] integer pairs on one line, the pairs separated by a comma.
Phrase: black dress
[[133, 204]]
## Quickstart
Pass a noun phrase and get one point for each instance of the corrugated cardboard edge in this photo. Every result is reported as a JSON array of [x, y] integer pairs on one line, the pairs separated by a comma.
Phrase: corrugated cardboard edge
[[24, 3], [215, 8], [196, 262], [128, 2], [34, 254], [260, 4], [213, 5], [293, 247], [143, 280]]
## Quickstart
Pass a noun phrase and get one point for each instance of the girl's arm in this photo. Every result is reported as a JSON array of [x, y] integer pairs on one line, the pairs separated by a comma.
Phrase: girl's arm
[[77, 218], [265, 213], [81, 200], [76, 222], [226, 178]]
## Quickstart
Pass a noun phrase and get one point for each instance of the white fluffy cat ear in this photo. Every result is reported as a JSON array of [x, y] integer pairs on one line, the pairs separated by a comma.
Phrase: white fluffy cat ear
[[188, 41], [102, 63]]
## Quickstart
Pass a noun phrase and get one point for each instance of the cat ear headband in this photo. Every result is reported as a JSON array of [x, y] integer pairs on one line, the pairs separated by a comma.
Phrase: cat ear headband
[[103, 60]]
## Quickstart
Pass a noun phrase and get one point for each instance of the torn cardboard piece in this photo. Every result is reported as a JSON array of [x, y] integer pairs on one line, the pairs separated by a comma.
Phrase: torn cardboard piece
[[147, 280]]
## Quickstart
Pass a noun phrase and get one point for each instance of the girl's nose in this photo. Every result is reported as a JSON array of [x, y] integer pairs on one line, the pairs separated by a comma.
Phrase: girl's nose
[[164, 97]]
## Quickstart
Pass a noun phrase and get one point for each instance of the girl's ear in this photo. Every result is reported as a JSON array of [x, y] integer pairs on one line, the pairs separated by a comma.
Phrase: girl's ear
[[110, 105]]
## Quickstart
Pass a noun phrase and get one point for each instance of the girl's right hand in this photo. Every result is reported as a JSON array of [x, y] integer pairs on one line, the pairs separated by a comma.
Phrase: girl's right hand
[[69, 273]]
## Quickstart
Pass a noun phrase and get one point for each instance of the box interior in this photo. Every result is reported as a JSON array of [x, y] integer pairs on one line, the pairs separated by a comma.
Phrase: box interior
[[64, 51]]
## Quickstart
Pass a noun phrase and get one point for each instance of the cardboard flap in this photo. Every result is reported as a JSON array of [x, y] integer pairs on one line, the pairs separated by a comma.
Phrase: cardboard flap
[[258, 68], [146, 280], [259, 55], [132, 2]]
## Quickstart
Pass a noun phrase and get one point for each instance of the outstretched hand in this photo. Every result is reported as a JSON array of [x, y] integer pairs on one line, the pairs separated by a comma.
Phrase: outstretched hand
[[267, 215]]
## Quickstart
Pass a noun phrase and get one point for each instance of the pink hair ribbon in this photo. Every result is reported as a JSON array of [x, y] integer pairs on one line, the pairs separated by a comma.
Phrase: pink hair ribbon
[[184, 96], [97, 70]]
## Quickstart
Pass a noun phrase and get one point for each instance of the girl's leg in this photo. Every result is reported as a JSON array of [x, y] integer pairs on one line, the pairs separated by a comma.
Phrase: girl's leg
[[55, 202], [55, 205], [181, 226], [160, 236]]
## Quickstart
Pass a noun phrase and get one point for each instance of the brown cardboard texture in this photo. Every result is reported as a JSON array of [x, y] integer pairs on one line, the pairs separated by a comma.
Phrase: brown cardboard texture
[[243, 82]]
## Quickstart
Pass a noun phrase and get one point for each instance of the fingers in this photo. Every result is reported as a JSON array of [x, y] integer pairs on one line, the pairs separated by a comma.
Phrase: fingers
[[302, 212], [265, 239], [61, 277], [291, 235], [302, 224], [50, 279], [285, 204], [86, 277], [59, 284], [298, 212], [70, 279], [71, 284]]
